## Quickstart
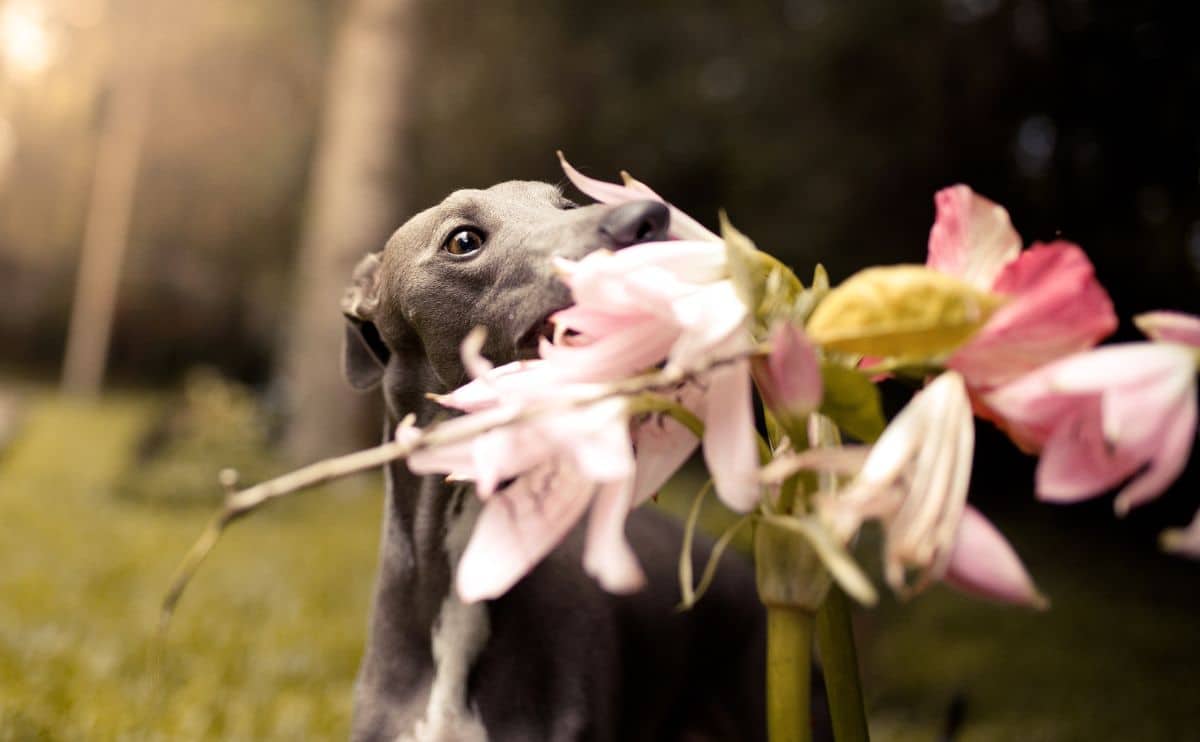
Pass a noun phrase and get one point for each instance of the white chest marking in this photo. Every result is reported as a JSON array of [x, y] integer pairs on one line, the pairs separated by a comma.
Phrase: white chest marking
[[459, 635]]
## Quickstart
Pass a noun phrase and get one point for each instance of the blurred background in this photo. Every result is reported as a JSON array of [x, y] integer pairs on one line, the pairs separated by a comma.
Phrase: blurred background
[[184, 188]]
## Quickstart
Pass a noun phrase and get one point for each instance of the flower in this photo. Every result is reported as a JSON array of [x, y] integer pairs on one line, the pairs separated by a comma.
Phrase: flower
[[682, 225], [915, 481], [789, 376], [1170, 327], [1056, 305], [1183, 541], [554, 442], [1099, 417]]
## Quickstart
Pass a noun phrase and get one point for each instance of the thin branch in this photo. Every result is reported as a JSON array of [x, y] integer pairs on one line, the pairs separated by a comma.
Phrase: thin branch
[[409, 440]]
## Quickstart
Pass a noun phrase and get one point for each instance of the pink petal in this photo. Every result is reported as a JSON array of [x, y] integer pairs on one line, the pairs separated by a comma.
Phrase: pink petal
[[730, 440], [518, 527], [682, 225], [1172, 450], [628, 351], [789, 377], [605, 193], [1058, 308], [709, 318], [972, 238], [663, 445], [606, 554], [982, 563], [1077, 462], [1171, 327], [1184, 541]]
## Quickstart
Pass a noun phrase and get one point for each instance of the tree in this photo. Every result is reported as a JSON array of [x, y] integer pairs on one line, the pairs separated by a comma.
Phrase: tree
[[355, 201]]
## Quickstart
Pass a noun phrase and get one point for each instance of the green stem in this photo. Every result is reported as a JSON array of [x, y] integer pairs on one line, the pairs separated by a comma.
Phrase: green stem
[[835, 637], [789, 661]]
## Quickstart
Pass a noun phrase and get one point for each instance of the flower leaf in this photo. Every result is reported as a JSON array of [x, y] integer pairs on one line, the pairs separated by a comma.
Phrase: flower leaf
[[852, 401], [768, 288], [906, 311]]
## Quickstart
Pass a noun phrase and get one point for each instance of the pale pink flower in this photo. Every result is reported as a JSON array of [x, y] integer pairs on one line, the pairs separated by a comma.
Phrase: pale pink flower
[[1170, 327], [668, 305], [915, 481], [1184, 541], [1056, 305], [682, 226], [789, 376], [1100, 417]]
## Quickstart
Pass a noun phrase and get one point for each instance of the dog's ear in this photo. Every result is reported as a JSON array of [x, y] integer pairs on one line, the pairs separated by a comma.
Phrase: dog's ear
[[364, 354]]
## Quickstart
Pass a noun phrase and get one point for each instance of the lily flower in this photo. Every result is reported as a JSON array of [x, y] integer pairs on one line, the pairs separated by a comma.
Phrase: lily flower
[[915, 481], [789, 376], [559, 464], [651, 305], [1056, 306], [682, 226], [1101, 417]]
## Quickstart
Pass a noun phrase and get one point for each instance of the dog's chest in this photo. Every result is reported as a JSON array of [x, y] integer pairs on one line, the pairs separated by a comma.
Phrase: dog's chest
[[458, 636]]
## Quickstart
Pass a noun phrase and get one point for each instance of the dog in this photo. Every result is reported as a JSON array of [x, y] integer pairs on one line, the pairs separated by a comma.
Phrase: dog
[[556, 658]]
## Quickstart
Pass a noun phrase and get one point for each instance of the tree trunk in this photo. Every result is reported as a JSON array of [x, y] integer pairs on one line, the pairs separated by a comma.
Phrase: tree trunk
[[354, 202], [106, 232]]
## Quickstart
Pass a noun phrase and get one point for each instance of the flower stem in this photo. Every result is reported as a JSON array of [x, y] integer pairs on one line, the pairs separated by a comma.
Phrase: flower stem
[[789, 658], [835, 638]]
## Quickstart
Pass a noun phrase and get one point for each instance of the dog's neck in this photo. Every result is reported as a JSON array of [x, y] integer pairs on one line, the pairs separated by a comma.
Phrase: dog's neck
[[424, 519]]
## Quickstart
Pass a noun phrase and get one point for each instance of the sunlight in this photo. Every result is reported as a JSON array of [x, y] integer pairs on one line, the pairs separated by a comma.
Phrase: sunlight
[[25, 42]]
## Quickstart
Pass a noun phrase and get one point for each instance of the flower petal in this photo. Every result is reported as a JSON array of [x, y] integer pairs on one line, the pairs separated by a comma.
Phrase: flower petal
[[1076, 462], [607, 555], [972, 238], [789, 377], [1183, 541], [518, 527], [663, 444], [682, 225], [1170, 327], [1173, 448], [1058, 308], [730, 447], [983, 563]]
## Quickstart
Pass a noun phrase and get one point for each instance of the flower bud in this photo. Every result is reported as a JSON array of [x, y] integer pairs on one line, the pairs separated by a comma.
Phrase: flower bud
[[789, 376]]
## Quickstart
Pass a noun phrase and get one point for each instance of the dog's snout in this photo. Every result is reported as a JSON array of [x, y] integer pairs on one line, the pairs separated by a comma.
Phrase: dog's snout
[[636, 221]]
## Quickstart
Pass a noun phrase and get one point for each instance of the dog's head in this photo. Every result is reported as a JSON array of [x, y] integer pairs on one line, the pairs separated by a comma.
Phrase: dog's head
[[479, 258]]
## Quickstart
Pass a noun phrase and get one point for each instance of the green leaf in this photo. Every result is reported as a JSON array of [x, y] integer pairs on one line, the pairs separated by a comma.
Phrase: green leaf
[[851, 401], [686, 590], [768, 288], [906, 311]]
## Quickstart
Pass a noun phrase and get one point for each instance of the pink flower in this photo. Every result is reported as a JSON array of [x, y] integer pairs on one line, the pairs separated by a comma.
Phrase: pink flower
[[789, 376], [559, 464], [1100, 417], [1184, 541], [555, 447], [1170, 327], [915, 481], [682, 226], [1056, 307]]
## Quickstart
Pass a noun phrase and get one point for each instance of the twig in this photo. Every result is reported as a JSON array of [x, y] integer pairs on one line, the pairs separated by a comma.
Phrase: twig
[[241, 503]]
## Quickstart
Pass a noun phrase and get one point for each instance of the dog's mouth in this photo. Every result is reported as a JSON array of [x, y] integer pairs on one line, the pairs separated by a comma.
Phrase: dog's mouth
[[545, 329]]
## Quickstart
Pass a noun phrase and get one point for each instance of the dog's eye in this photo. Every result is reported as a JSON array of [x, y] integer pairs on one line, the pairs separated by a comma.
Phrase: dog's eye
[[463, 242], [568, 204]]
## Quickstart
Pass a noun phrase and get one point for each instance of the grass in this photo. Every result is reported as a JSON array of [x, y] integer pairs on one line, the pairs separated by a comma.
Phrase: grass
[[264, 646], [267, 640]]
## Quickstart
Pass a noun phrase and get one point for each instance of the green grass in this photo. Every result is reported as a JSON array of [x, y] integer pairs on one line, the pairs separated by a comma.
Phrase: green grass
[[264, 645], [266, 642]]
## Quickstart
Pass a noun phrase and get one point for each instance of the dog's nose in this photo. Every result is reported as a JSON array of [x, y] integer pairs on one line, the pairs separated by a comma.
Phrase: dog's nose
[[636, 221]]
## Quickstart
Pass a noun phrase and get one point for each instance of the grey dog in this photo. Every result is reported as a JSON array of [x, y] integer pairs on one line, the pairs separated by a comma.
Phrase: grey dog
[[556, 658]]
